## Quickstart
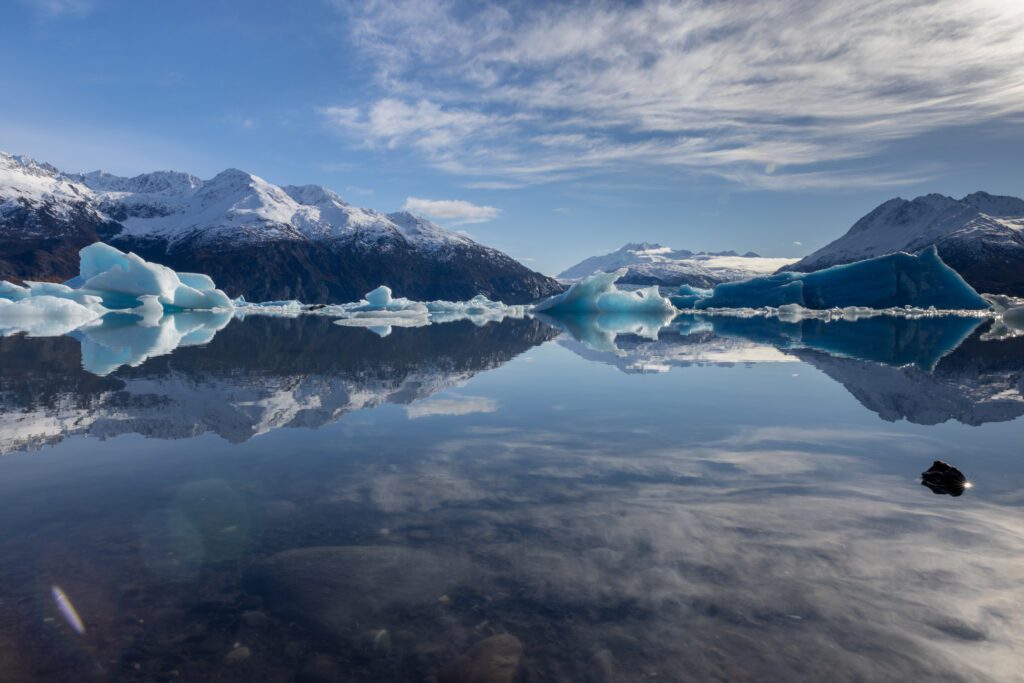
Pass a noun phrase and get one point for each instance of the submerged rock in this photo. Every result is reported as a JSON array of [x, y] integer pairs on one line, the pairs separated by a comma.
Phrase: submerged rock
[[944, 479], [341, 589], [494, 660]]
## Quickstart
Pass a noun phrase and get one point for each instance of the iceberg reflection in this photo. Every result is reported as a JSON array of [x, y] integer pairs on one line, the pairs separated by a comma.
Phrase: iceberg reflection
[[924, 370], [251, 376], [126, 339]]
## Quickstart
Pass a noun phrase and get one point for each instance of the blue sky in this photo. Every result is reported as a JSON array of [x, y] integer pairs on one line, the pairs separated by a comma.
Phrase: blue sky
[[552, 131]]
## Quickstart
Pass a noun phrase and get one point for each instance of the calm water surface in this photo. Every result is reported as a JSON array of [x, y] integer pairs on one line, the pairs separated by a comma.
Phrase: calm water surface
[[290, 500]]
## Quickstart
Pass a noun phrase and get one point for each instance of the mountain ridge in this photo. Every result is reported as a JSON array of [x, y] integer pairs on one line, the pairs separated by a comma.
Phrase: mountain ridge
[[254, 238], [981, 236]]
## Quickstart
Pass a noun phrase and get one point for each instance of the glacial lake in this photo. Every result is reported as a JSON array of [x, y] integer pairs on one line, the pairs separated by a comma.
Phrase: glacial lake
[[722, 499]]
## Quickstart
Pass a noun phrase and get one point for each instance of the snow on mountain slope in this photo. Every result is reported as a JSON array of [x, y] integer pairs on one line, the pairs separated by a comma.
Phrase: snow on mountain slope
[[25, 183], [656, 264], [325, 249], [981, 236], [234, 204]]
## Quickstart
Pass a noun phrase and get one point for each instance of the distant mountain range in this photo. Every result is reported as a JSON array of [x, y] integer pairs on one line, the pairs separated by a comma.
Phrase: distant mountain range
[[654, 264], [981, 236], [254, 238]]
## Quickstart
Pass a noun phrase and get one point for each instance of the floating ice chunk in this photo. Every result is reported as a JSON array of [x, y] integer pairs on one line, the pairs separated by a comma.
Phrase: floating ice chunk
[[598, 294], [686, 296], [121, 278], [189, 298], [380, 309], [45, 316], [204, 283], [13, 292], [380, 297], [919, 280], [284, 308]]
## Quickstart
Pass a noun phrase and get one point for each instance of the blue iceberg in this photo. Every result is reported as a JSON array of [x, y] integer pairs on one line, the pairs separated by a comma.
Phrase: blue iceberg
[[686, 296], [919, 280], [598, 294], [110, 279]]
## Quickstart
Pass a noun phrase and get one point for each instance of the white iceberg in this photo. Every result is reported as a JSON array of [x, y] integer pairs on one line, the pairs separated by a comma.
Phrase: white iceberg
[[45, 316], [108, 279], [598, 294], [379, 311]]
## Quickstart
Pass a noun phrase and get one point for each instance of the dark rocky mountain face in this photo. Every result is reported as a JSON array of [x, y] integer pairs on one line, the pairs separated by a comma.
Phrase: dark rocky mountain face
[[314, 272], [37, 243], [324, 272]]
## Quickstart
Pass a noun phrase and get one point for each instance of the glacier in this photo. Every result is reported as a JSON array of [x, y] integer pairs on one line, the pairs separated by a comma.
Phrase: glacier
[[920, 280], [598, 294]]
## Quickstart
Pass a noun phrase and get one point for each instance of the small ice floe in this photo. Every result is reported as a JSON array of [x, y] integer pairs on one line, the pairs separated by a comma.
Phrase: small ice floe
[[944, 479], [379, 311]]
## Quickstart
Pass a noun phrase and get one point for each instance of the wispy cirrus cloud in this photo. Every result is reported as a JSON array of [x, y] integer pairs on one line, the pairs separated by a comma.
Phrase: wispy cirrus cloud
[[52, 9], [456, 211], [777, 96]]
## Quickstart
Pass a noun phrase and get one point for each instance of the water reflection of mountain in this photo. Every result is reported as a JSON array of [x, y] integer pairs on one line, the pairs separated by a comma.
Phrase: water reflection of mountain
[[255, 375], [926, 370], [978, 382]]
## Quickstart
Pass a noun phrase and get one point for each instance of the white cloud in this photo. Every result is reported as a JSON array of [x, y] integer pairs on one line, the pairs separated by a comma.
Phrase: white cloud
[[798, 244], [457, 210], [765, 96]]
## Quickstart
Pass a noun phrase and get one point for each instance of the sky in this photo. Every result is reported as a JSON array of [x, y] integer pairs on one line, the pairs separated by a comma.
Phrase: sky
[[552, 131]]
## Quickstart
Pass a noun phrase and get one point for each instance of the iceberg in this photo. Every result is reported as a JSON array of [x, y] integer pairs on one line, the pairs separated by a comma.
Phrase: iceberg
[[686, 296], [919, 280], [120, 279], [379, 311], [45, 316], [598, 294], [108, 280]]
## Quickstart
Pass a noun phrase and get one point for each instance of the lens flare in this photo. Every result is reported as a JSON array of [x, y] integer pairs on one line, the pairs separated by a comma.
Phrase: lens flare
[[67, 610]]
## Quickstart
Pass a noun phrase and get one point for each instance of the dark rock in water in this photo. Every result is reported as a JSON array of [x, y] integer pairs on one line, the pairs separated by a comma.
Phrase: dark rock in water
[[944, 479], [342, 589], [320, 669], [494, 660]]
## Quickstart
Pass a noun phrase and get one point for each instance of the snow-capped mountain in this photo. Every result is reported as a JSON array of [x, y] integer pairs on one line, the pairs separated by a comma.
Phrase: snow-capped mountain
[[253, 237], [654, 264], [981, 236]]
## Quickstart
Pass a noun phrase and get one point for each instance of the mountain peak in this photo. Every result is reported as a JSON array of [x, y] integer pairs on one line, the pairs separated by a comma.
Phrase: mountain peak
[[981, 236]]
